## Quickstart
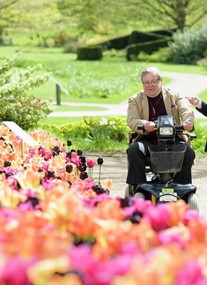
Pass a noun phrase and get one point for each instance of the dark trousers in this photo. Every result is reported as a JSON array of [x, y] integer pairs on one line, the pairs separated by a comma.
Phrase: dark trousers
[[137, 159]]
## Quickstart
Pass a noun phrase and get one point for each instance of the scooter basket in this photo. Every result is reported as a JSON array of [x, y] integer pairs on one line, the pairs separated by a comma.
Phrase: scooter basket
[[167, 159]]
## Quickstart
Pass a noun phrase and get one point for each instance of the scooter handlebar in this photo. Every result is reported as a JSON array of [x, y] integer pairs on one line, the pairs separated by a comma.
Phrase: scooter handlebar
[[178, 128]]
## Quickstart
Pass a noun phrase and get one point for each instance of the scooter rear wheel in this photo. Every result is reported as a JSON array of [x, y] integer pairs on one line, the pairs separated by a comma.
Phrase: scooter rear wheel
[[128, 191], [193, 201]]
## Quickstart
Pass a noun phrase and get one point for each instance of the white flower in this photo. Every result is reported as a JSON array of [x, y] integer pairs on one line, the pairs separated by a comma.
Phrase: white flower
[[103, 121], [111, 123]]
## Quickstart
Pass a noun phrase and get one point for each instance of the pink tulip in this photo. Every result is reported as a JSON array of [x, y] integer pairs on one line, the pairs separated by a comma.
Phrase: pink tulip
[[91, 163], [158, 216], [191, 274], [14, 271]]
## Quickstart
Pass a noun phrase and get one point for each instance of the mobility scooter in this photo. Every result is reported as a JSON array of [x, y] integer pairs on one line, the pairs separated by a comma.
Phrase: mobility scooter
[[165, 161]]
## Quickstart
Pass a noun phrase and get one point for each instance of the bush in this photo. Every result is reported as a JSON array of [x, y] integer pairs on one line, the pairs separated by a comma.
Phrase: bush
[[71, 46], [189, 46], [107, 134], [147, 47], [15, 105], [89, 53], [201, 137], [162, 55], [75, 130], [140, 37], [61, 39]]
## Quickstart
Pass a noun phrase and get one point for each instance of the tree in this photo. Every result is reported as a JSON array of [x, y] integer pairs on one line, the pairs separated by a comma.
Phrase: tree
[[178, 14], [88, 15], [24, 15]]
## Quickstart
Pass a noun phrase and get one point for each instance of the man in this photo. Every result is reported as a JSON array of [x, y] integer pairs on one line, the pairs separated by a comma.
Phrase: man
[[144, 109]]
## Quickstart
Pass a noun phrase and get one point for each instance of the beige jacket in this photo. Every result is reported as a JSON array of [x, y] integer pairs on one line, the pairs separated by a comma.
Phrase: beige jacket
[[175, 104]]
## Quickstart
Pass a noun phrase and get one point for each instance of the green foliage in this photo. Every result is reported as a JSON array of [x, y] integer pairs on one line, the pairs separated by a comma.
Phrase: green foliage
[[71, 46], [147, 47], [162, 55], [15, 105], [99, 80], [75, 130], [189, 46], [110, 128], [61, 38], [111, 134], [89, 53], [201, 137], [92, 134]]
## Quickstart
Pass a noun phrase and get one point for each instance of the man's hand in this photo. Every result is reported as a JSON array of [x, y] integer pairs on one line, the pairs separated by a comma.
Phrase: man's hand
[[149, 126], [188, 126], [193, 100]]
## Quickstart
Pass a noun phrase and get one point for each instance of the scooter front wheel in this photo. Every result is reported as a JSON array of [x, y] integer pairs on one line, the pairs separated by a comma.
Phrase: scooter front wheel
[[139, 195], [193, 201]]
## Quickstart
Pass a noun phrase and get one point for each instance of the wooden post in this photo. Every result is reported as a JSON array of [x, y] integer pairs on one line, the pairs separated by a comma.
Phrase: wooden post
[[58, 91]]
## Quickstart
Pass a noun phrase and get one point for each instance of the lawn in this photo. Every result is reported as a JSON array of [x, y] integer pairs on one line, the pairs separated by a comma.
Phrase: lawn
[[109, 81]]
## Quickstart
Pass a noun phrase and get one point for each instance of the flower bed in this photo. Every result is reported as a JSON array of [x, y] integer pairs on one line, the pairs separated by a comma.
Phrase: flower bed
[[59, 226]]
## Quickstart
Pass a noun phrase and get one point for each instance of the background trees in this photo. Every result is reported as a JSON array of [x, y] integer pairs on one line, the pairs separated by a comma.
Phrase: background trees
[[132, 14], [103, 17], [177, 14], [25, 17]]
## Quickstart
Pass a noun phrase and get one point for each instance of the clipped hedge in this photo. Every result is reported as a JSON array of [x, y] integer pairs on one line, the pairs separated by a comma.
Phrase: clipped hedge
[[89, 53], [148, 47], [140, 37]]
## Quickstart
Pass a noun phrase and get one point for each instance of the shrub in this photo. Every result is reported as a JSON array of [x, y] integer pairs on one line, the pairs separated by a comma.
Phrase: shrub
[[61, 39], [91, 134], [71, 46], [203, 61], [75, 130], [15, 105], [162, 55], [89, 53], [200, 142], [147, 47], [189, 46]]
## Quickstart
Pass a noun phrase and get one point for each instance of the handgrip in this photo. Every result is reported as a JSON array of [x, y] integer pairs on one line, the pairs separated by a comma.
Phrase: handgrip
[[141, 127]]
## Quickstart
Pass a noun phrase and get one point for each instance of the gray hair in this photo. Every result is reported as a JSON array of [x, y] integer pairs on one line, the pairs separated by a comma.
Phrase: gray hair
[[152, 70]]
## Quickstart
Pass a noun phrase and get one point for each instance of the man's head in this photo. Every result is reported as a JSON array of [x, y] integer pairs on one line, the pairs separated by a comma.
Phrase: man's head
[[152, 81]]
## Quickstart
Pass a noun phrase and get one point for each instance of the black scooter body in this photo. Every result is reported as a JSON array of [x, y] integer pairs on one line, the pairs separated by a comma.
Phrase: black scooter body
[[161, 188], [166, 192]]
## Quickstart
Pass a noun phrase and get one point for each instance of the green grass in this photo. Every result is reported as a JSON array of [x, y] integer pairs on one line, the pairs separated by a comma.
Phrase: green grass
[[203, 96], [109, 81], [58, 121], [66, 107]]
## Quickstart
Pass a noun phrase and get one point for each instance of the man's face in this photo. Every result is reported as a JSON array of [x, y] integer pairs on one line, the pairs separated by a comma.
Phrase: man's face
[[151, 85]]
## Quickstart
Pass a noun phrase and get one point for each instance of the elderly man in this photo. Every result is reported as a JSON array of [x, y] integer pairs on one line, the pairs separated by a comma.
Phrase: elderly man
[[143, 109]]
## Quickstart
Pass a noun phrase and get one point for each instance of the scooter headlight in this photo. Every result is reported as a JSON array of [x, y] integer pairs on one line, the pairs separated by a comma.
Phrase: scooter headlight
[[166, 131]]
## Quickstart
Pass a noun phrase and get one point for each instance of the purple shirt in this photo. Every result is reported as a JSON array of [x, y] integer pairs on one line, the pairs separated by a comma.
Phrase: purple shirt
[[156, 109]]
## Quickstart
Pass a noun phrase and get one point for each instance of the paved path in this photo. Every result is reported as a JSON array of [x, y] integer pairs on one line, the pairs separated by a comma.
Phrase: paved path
[[185, 84]]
